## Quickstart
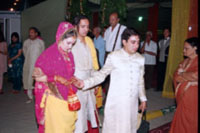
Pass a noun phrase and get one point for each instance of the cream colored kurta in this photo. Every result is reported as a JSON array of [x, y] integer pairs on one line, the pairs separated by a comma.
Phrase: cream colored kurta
[[32, 50], [83, 70], [126, 86]]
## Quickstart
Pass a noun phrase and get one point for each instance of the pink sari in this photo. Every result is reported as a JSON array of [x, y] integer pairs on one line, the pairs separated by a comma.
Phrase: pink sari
[[52, 63]]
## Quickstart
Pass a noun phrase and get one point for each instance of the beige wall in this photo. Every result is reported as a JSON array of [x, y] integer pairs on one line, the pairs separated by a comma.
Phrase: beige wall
[[45, 16]]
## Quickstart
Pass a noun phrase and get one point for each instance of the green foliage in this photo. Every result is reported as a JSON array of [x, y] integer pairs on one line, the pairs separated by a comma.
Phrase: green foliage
[[75, 9], [109, 6], [106, 8]]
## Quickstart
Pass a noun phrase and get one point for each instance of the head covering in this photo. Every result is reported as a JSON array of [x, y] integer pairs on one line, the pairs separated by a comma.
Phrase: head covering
[[62, 28], [52, 63]]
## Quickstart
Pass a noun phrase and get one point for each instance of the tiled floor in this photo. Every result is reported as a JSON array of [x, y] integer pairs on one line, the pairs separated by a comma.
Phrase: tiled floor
[[15, 115], [18, 117], [157, 102]]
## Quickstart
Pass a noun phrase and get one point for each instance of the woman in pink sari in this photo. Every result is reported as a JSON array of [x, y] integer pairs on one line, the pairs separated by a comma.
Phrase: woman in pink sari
[[186, 90], [51, 106]]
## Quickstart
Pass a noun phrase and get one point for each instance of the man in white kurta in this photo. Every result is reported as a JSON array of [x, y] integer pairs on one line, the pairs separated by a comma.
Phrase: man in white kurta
[[32, 48], [126, 68], [111, 33], [83, 69], [149, 51]]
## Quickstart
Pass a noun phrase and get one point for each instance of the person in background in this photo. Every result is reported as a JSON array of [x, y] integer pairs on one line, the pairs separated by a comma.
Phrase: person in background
[[163, 56], [186, 90], [99, 45], [51, 105], [100, 48], [15, 62], [3, 59], [126, 67], [113, 32], [149, 51], [32, 48], [112, 37]]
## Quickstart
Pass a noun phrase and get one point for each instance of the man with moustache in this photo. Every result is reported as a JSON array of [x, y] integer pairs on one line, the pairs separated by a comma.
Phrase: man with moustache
[[32, 48]]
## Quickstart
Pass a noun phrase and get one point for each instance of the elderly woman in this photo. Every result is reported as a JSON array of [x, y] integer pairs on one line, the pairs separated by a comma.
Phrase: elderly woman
[[51, 105], [186, 90]]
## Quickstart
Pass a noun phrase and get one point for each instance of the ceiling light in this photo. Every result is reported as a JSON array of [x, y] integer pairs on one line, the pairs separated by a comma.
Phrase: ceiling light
[[11, 9], [15, 4], [140, 18]]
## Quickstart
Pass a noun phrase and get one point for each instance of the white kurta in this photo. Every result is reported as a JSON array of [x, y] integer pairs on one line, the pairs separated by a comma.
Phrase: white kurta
[[32, 50], [110, 36], [83, 70], [152, 47], [126, 86]]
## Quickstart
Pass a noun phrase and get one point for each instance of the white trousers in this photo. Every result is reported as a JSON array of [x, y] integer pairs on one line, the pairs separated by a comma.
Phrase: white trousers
[[30, 93]]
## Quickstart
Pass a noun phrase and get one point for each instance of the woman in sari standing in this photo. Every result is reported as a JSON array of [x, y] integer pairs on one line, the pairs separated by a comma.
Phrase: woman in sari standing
[[186, 90], [51, 106], [15, 62]]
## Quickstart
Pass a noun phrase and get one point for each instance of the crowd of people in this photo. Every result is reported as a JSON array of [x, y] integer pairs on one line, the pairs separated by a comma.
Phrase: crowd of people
[[67, 76]]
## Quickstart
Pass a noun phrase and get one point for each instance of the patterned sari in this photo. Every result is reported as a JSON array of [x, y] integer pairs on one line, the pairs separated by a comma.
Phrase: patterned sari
[[186, 115], [53, 115], [15, 72]]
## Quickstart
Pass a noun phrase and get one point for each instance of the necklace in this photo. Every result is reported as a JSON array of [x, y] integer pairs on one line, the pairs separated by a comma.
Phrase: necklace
[[64, 54]]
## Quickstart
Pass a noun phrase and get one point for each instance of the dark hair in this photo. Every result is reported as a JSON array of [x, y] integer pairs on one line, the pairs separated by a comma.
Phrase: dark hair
[[77, 19], [194, 42], [35, 29], [39, 33], [167, 28], [115, 12], [68, 33], [129, 32], [16, 35], [1, 37]]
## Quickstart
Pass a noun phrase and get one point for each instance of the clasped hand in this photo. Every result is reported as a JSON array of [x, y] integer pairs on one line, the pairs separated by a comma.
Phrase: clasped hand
[[75, 81]]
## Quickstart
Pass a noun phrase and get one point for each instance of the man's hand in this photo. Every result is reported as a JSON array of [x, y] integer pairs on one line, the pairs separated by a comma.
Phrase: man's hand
[[142, 106], [78, 83]]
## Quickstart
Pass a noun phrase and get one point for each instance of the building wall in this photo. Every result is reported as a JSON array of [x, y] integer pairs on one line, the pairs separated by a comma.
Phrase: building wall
[[10, 22], [164, 20], [45, 16]]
